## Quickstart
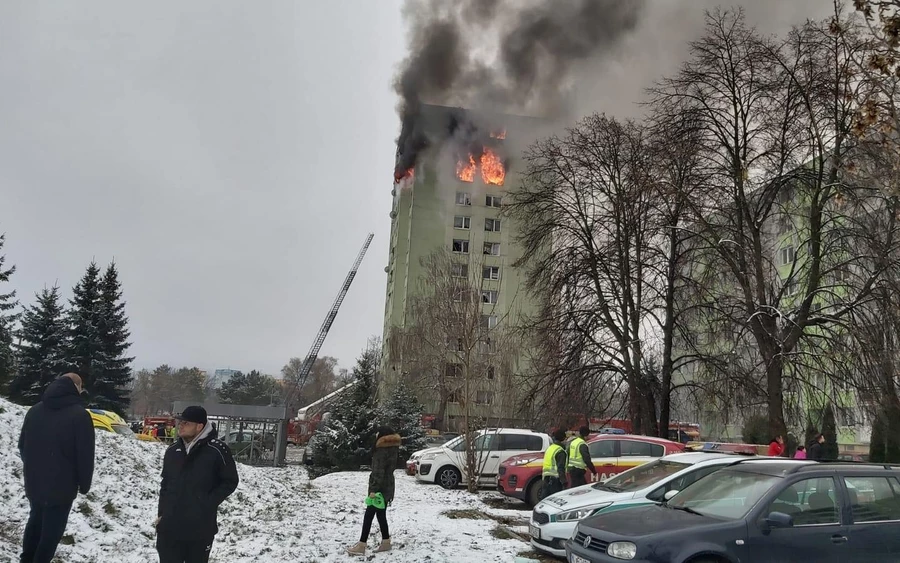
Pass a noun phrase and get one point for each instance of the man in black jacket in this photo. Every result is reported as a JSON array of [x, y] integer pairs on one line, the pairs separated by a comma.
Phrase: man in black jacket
[[198, 475], [57, 449], [814, 450]]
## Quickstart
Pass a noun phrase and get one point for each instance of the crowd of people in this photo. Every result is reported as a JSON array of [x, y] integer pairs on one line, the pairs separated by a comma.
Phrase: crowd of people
[[813, 451]]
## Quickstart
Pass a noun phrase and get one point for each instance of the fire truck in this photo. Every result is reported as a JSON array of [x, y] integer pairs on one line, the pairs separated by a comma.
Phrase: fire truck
[[303, 426]]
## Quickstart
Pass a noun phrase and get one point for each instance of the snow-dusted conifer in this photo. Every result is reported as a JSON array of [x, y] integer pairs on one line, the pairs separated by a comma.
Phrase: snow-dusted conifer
[[41, 347], [7, 321], [403, 412]]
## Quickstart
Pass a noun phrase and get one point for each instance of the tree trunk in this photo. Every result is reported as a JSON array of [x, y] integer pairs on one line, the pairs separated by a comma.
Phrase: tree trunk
[[665, 400], [775, 395]]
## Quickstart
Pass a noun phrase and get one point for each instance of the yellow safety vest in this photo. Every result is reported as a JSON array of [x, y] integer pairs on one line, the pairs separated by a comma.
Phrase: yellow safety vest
[[550, 467], [575, 459]]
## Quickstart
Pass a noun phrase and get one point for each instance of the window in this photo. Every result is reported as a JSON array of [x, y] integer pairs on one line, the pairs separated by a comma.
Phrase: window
[[645, 475], [490, 272], [493, 201], [455, 397], [463, 198], [453, 370], [874, 499], [484, 397], [460, 222], [489, 296], [488, 321], [790, 287], [787, 255], [461, 246], [727, 494], [492, 373], [492, 225], [492, 248], [487, 346], [521, 442], [810, 502], [602, 448], [455, 344], [784, 225], [459, 270], [487, 442], [457, 294], [645, 449]]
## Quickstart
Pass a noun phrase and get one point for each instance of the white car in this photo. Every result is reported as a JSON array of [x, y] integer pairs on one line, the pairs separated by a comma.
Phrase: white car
[[554, 519], [446, 465]]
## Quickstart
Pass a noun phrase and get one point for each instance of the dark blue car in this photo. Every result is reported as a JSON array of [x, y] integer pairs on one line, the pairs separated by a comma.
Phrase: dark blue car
[[758, 510]]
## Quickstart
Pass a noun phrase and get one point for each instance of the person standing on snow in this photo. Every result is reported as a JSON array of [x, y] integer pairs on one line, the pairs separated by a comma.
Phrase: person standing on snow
[[381, 482], [555, 464], [198, 474], [57, 449], [580, 459]]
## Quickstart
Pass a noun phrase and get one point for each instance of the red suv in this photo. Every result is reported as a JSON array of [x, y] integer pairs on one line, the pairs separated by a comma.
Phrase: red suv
[[520, 476]]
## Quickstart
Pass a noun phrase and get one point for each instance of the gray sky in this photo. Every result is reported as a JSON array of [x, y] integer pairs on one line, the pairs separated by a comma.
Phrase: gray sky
[[231, 157]]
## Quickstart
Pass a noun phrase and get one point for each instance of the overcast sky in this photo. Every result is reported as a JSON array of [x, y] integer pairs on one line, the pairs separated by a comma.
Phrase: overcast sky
[[231, 158]]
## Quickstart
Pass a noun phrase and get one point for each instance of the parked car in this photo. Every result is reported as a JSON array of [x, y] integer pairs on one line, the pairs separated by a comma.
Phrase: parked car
[[520, 476], [446, 465], [245, 445], [111, 422], [554, 518], [758, 510], [412, 462]]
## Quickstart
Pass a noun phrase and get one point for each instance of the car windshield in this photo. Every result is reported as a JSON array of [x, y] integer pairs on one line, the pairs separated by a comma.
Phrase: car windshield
[[122, 429], [642, 476], [727, 494], [454, 442]]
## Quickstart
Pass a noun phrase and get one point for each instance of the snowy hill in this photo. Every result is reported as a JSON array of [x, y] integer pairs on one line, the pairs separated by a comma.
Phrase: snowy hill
[[276, 515]]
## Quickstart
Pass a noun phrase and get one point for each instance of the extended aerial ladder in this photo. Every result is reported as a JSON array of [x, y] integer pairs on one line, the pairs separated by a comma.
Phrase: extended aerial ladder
[[313, 353]]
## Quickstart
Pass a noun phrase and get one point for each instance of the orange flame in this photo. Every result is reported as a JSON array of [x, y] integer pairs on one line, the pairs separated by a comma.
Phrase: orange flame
[[492, 171], [400, 175], [466, 172], [498, 134]]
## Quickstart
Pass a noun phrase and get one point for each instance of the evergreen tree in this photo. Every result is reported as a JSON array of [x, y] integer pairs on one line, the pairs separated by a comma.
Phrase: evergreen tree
[[345, 441], [403, 413], [829, 430], [253, 388], [811, 430], [41, 348], [111, 371], [7, 321], [83, 345]]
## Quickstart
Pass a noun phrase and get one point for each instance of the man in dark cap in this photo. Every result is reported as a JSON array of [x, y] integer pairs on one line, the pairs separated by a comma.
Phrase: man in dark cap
[[198, 474], [57, 449]]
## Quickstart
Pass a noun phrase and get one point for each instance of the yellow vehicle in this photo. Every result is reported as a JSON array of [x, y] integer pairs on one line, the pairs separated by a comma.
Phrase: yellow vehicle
[[111, 422]]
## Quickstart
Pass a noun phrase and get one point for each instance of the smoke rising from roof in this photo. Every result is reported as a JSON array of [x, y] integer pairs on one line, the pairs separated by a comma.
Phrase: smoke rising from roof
[[528, 70]]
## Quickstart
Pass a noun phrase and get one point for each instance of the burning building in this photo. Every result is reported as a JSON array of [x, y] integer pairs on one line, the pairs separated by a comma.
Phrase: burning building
[[449, 195]]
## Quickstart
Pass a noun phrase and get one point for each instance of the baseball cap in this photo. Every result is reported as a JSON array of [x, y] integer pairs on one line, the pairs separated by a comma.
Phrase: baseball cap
[[193, 413]]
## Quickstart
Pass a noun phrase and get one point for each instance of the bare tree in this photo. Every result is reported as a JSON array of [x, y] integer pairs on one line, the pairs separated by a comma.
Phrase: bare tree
[[321, 381], [774, 225], [459, 346]]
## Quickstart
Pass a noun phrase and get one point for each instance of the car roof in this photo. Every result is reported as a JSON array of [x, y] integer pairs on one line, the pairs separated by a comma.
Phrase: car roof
[[636, 437], [701, 457], [512, 431]]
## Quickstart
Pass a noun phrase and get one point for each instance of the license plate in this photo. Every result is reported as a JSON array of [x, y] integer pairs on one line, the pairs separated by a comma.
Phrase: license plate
[[535, 532], [576, 559]]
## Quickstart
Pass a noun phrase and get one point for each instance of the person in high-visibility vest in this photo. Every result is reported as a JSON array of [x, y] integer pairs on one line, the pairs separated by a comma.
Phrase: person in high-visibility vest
[[580, 459], [555, 464]]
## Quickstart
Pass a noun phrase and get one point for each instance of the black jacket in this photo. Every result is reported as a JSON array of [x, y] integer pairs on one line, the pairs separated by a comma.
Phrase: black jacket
[[194, 484], [384, 462], [57, 446], [814, 451]]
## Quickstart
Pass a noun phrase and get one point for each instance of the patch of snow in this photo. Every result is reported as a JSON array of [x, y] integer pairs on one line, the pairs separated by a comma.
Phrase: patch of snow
[[276, 515]]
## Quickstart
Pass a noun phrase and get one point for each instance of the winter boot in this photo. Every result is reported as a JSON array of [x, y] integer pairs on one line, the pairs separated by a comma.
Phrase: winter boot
[[358, 549], [385, 546]]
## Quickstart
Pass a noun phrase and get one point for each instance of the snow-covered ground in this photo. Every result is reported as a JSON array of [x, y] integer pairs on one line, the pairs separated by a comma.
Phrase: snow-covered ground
[[276, 515]]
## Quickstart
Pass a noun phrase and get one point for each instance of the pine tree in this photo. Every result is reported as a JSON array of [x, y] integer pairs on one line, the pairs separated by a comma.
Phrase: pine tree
[[41, 348], [83, 345], [829, 430], [403, 413], [345, 441], [253, 388], [112, 372], [7, 321]]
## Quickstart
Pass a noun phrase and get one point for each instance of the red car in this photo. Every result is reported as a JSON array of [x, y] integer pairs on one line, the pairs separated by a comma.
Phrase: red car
[[520, 476]]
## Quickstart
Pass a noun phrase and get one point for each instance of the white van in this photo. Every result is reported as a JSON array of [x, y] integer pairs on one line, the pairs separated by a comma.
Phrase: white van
[[446, 465]]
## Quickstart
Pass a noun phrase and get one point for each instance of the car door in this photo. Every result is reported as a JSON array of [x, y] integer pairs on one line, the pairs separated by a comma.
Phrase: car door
[[635, 452], [817, 535], [604, 457], [874, 506], [487, 455]]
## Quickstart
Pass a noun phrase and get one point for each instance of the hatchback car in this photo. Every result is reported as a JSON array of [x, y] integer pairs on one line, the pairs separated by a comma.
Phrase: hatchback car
[[611, 454], [758, 510], [554, 519]]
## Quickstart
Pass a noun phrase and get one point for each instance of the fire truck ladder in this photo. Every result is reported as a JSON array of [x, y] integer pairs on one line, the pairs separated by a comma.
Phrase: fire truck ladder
[[313, 353]]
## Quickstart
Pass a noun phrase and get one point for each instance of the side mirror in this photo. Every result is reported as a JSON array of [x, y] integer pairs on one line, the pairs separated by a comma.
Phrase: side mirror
[[779, 520], [668, 496]]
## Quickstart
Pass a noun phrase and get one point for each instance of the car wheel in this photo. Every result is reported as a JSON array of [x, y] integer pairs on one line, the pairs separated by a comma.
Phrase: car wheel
[[707, 560], [535, 493], [449, 477]]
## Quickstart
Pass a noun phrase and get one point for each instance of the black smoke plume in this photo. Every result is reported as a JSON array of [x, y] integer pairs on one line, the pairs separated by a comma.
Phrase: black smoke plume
[[533, 48]]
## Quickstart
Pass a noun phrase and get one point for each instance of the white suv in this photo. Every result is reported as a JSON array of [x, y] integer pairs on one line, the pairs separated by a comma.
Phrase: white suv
[[446, 465]]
